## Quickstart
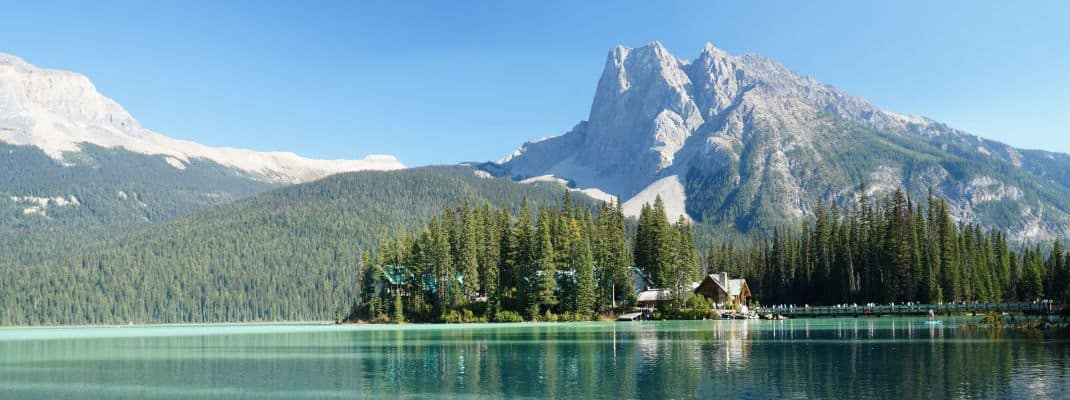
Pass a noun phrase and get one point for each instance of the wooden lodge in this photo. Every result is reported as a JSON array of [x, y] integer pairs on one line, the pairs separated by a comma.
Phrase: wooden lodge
[[716, 287], [724, 291]]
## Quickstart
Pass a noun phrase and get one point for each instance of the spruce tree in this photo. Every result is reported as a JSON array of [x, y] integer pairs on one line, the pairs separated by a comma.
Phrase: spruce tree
[[545, 278], [583, 265], [470, 231]]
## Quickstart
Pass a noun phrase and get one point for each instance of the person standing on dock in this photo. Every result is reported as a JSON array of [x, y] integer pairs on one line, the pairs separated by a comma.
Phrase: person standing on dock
[[932, 315]]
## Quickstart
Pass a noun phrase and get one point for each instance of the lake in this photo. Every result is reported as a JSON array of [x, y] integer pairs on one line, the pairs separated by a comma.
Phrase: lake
[[844, 358]]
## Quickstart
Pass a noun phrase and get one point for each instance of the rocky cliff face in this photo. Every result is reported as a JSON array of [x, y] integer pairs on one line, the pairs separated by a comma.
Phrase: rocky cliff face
[[742, 141], [58, 111]]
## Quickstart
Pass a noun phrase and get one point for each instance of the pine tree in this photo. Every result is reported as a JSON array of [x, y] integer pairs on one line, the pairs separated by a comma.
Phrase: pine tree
[[664, 246], [1033, 276], [918, 288], [489, 274], [470, 231], [820, 250], [448, 294], [643, 248], [1055, 272], [618, 257], [546, 271], [583, 265], [948, 253]]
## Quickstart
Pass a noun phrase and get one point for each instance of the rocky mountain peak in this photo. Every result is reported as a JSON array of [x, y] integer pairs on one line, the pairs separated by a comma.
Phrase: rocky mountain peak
[[57, 111], [745, 141]]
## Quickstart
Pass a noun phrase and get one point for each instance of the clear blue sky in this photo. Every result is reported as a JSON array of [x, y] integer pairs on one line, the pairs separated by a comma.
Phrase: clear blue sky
[[446, 81]]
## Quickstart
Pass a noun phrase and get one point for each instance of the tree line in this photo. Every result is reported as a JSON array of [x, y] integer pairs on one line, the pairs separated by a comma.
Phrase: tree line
[[894, 250], [563, 261]]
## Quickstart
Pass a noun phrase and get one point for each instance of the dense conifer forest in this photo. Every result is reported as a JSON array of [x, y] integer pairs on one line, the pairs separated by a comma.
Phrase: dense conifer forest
[[475, 263], [108, 192], [894, 250], [284, 255]]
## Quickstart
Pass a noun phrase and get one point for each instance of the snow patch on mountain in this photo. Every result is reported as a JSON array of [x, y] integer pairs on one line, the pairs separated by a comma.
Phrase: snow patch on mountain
[[544, 178], [672, 194], [597, 194], [58, 111], [174, 162], [39, 205], [593, 193]]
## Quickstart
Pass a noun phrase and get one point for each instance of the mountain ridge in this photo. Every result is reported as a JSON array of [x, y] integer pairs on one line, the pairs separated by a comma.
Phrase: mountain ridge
[[756, 144], [58, 110]]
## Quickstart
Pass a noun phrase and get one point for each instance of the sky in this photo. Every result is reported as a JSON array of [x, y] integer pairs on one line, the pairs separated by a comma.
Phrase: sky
[[444, 82]]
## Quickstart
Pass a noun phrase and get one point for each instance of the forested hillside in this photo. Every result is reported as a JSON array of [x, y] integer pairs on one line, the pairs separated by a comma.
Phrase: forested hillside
[[288, 254], [49, 208]]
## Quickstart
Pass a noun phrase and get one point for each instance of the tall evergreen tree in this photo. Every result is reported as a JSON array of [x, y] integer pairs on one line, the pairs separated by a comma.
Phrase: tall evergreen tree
[[583, 266], [545, 278]]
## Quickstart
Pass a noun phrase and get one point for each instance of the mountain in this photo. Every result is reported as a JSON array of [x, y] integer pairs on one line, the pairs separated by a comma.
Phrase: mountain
[[58, 111], [286, 254], [743, 143], [77, 168]]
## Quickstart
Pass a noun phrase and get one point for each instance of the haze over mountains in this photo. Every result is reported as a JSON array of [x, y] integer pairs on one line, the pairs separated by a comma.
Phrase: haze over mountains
[[742, 142]]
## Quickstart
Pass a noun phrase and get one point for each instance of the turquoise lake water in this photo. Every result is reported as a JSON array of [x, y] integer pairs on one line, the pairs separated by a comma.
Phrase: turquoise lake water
[[845, 358]]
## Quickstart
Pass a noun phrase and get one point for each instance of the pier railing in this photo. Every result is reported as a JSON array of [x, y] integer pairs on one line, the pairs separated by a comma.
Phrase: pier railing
[[911, 309]]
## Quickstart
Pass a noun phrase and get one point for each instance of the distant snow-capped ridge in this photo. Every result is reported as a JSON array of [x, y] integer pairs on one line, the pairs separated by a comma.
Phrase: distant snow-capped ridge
[[57, 111]]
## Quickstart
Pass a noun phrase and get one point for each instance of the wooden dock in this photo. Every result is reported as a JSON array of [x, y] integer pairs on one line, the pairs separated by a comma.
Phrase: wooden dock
[[913, 309]]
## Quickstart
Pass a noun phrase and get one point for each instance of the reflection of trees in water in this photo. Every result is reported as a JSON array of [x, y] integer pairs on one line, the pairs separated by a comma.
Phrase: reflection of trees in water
[[846, 358], [843, 358]]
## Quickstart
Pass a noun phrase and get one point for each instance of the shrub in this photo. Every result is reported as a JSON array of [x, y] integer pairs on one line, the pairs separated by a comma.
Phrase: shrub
[[548, 317], [459, 317], [573, 317], [695, 307], [507, 316]]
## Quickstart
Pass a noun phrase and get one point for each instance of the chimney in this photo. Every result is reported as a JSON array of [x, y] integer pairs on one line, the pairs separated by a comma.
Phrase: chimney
[[724, 279]]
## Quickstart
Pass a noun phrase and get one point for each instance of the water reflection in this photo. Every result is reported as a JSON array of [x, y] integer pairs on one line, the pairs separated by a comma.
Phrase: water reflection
[[833, 358]]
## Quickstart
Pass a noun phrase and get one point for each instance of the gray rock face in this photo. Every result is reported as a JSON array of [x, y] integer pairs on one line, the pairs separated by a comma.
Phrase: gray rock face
[[755, 144]]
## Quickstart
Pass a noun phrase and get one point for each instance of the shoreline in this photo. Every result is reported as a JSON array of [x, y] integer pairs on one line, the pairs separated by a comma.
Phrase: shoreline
[[369, 323], [168, 324]]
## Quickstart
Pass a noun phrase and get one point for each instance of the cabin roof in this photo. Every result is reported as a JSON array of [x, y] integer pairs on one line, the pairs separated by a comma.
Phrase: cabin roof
[[653, 295], [734, 287]]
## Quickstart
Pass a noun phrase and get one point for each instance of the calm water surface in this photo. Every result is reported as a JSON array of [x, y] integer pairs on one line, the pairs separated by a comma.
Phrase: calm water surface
[[822, 358]]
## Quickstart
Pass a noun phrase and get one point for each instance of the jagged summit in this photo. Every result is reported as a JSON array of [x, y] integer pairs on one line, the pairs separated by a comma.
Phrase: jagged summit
[[746, 142], [57, 111]]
